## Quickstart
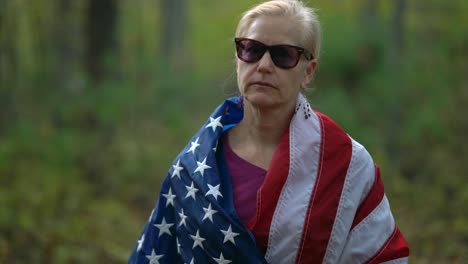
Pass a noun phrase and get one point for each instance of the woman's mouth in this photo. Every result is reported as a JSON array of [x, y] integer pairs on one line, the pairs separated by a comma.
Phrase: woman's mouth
[[263, 84]]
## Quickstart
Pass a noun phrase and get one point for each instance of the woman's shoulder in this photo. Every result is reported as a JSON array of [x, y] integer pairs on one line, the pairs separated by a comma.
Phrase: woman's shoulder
[[333, 131]]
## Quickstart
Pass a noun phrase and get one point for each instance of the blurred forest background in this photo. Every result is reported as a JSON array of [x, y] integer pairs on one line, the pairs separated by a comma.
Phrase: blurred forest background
[[98, 97]]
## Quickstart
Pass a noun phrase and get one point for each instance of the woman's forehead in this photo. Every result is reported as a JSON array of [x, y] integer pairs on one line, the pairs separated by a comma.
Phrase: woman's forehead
[[274, 30]]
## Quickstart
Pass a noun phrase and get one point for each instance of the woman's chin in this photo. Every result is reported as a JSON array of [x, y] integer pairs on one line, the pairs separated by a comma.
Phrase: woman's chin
[[260, 100]]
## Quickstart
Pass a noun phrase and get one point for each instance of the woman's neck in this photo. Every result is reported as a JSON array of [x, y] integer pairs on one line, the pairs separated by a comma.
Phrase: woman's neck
[[256, 137], [263, 127]]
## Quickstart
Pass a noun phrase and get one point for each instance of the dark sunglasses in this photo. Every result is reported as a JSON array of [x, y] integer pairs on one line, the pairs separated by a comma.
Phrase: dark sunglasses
[[283, 56]]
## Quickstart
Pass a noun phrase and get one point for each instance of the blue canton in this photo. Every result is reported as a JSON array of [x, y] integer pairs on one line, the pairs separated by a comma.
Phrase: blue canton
[[194, 220]]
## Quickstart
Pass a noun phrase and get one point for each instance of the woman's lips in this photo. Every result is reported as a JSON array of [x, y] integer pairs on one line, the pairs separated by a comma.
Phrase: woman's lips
[[264, 84]]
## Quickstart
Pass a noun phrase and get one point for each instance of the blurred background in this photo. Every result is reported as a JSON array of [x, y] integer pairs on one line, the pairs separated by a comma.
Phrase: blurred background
[[98, 97]]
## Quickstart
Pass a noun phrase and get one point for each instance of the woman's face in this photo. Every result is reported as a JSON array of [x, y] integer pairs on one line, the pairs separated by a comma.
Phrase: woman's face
[[262, 83]]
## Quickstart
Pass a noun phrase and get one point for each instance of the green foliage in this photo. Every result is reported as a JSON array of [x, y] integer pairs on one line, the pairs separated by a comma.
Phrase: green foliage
[[82, 159]]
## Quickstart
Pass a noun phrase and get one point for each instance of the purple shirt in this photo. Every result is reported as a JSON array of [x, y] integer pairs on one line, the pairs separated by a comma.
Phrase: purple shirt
[[246, 179]]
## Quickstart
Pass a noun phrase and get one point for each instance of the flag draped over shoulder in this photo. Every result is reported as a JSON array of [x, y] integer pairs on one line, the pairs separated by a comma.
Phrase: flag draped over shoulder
[[322, 201]]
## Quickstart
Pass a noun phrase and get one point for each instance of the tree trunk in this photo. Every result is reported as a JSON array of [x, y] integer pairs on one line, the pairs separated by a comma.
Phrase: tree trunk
[[68, 46], [370, 13], [7, 67], [394, 60], [100, 31], [174, 24], [397, 26]]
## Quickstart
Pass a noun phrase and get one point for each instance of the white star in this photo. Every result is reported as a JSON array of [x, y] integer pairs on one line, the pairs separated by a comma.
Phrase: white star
[[164, 227], [140, 242], [202, 167], [182, 218], [209, 213], [177, 170], [153, 258], [191, 190], [221, 259], [169, 197], [194, 146], [214, 123], [229, 235], [214, 190], [197, 240]]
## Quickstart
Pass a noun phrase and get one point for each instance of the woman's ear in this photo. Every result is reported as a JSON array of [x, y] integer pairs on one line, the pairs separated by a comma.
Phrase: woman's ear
[[309, 73]]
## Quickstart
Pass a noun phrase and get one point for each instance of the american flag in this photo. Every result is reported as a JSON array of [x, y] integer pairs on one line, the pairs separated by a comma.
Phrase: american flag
[[322, 201]]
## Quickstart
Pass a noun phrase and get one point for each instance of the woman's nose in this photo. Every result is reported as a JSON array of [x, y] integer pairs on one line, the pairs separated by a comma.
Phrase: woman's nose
[[265, 63]]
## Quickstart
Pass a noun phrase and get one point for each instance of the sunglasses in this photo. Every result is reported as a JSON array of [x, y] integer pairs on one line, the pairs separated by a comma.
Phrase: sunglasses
[[283, 56]]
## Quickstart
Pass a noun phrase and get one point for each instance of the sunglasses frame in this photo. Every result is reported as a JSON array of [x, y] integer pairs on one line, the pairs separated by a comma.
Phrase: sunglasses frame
[[308, 55]]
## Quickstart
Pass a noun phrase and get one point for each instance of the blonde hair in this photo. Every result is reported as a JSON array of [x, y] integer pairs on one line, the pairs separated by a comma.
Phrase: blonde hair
[[305, 17]]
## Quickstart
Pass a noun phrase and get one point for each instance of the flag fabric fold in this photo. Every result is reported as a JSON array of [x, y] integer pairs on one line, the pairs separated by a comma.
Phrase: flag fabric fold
[[322, 201]]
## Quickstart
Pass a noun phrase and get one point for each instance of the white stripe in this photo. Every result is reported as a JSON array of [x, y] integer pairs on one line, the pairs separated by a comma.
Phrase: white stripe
[[366, 239], [397, 261], [289, 216], [359, 180]]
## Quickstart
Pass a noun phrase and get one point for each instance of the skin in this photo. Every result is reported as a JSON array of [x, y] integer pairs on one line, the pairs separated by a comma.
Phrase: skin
[[270, 93]]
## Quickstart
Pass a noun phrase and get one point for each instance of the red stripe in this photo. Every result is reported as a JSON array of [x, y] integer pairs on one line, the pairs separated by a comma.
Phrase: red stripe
[[269, 193], [372, 200], [394, 248], [335, 155]]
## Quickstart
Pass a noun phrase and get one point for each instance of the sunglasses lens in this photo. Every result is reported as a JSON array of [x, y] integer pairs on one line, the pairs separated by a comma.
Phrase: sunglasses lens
[[284, 56], [250, 51]]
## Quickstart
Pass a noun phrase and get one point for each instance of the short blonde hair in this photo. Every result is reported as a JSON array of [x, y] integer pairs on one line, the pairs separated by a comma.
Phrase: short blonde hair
[[304, 16]]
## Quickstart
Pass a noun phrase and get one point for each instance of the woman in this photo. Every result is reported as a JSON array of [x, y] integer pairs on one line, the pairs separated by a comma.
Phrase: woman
[[267, 179]]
